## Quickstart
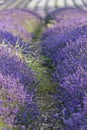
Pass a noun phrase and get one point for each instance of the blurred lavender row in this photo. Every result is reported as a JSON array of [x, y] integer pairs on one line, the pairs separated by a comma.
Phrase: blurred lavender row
[[44, 6]]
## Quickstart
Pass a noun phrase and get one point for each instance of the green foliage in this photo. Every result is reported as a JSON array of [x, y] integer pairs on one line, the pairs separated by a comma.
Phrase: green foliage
[[45, 85]]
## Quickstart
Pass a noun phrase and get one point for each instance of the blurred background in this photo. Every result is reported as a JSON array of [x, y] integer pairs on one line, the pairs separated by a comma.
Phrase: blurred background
[[42, 6]]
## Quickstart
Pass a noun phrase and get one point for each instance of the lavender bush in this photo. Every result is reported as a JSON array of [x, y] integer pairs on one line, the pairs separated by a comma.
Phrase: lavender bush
[[17, 96], [66, 13], [17, 107], [55, 43], [12, 97], [20, 22], [71, 72], [12, 65], [67, 55], [65, 20]]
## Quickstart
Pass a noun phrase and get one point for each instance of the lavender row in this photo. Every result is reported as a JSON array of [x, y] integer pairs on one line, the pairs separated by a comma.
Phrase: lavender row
[[17, 105], [17, 95], [66, 47]]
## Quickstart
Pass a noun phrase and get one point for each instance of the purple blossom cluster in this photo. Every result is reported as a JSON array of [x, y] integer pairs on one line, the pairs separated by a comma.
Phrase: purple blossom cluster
[[9, 38], [11, 64], [17, 105], [77, 121], [73, 64], [55, 42], [12, 97], [67, 53]]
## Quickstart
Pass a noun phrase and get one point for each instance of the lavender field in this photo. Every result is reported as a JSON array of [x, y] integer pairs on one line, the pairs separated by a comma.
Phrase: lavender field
[[43, 68]]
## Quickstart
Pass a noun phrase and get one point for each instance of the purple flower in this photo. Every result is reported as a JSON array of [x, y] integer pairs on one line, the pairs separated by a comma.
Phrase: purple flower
[[3, 128], [13, 96], [8, 39], [11, 64], [23, 128], [77, 121]]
